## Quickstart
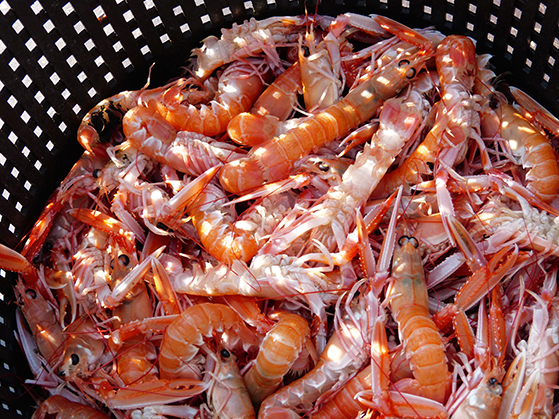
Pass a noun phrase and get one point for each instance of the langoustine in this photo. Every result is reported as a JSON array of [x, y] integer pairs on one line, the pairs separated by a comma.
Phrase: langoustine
[[165, 220]]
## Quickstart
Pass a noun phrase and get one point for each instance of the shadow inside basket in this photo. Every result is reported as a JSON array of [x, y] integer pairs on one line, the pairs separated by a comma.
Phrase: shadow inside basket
[[60, 60]]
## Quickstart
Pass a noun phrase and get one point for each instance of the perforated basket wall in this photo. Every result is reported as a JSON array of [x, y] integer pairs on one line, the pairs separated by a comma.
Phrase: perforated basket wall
[[59, 58]]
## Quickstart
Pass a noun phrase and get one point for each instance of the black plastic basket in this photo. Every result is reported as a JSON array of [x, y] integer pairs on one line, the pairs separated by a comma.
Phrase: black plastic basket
[[60, 58]]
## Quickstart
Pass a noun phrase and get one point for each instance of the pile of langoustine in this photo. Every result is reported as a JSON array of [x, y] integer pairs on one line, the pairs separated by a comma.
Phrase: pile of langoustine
[[323, 220]]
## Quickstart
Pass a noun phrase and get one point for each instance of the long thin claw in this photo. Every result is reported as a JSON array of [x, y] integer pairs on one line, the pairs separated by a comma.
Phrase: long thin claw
[[359, 136], [12, 261], [366, 256], [138, 327], [154, 242], [478, 285], [535, 111], [88, 136], [481, 350], [509, 187], [403, 405], [475, 258], [409, 405], [292, 182], [444, 200], [443, 318], [512, 384], [484, 279], [464, 333], [107, 224], [526, 402], [365, 23], [405, 33], [497, 325], [357, 241], [131, 279], [380, 360], [444, 269], [383, 265], [41, 229], [97, 219], [164, 289], [155, 392], [189, 193], [374, 217]]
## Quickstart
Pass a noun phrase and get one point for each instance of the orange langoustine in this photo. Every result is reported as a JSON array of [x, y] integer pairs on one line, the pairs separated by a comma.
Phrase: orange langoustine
[[131, 280]]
